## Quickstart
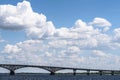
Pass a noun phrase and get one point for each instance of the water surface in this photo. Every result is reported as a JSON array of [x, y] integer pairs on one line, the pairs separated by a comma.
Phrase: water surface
[[57, 77]]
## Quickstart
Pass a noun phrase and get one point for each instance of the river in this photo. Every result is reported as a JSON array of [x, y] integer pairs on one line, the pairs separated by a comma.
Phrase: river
[[57, 77]]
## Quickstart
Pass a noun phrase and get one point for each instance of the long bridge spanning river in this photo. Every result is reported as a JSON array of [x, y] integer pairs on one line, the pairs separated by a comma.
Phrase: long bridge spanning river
[[53, 69]]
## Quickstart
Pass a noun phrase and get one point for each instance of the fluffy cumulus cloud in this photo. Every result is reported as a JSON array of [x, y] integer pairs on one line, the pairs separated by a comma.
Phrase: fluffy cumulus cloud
[[22, 17], [45, 53], [81, 45], [11, 49], [101, 22]]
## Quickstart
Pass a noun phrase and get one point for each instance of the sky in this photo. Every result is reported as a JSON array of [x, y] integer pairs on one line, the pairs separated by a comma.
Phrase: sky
[[76, 33]]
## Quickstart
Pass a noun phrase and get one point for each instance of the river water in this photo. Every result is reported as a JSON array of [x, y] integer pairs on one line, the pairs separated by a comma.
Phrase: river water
[[57, 77]]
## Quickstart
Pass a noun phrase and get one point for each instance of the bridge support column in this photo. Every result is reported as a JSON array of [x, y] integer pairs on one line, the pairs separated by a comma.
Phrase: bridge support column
[[100, 72], [74, 72], [88, 72], [12, 72], [52, 73], [112, 72]]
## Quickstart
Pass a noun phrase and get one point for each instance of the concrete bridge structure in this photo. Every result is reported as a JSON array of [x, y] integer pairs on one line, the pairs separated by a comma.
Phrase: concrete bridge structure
[[53, 69]]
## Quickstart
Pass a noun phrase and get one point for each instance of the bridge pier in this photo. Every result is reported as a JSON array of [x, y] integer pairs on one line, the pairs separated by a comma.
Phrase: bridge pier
[[112, 72], [100, 72], [52, 73], [12, 72], [74, 72], [88, 72]]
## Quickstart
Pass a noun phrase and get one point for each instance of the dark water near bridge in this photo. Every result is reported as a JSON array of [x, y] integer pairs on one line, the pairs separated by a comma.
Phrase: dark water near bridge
[[58, 77]]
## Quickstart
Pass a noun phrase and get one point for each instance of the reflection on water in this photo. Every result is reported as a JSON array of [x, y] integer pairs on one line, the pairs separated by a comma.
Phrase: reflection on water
[[57, 77]]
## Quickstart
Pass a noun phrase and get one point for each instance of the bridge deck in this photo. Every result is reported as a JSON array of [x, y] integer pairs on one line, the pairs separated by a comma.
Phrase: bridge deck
[[53, 69]]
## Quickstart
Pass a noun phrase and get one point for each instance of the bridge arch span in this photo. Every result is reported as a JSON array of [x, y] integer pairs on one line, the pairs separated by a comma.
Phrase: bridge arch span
[[31, 70], [4, 70], [14, 68]]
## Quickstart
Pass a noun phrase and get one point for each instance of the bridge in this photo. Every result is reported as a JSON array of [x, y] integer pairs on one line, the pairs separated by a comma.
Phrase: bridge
[[53, 69]]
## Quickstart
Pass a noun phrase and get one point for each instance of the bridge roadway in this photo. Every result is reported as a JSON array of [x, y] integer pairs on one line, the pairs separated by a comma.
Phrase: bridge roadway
[[53, 69]]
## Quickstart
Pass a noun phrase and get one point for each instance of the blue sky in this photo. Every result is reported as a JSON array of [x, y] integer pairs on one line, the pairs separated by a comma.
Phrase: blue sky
[[65, 13], [60, 32]]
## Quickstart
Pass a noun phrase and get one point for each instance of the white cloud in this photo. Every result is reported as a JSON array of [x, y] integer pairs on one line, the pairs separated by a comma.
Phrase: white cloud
[[101, 22], [22, 17], [11, 49], [12, 17], [58, 43], [58, 52], [41, 52], [84, 36], [80, 24], [99, 53], [79, 30]]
